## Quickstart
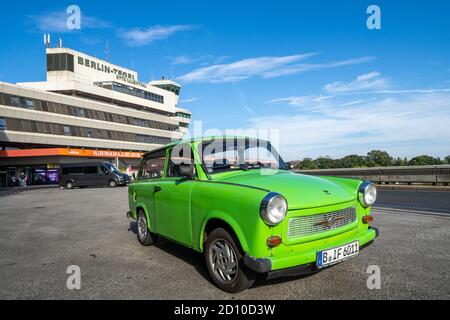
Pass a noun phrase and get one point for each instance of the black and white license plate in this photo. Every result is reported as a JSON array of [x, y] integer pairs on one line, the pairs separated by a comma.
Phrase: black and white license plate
[[338, 254]]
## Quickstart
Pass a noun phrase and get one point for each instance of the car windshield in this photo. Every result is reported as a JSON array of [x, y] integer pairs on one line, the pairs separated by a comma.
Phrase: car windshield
[[112, 168], [222, 155]]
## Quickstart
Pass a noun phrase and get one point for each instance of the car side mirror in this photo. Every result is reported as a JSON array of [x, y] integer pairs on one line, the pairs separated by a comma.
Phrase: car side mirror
[[186, 171]]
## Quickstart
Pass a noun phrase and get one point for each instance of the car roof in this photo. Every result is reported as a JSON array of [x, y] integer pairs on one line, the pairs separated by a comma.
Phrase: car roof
[[82, 164], [201, 139]]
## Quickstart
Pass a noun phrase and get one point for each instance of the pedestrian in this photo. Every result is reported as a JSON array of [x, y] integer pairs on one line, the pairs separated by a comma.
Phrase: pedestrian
[[22, 179], [13, 180]]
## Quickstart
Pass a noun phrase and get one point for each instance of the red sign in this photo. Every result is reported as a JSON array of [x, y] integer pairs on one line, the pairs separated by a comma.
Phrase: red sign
[[69, 152]]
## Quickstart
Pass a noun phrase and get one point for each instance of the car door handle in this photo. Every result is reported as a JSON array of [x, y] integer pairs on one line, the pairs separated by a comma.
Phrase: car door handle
[[156, 189]]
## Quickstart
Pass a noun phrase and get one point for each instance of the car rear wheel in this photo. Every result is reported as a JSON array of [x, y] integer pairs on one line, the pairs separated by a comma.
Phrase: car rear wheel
[[113, 183], [224, 261], [145, 237], [69, 185]]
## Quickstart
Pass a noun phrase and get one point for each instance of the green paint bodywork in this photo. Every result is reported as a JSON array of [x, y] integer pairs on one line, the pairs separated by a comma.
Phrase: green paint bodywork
[[183, 208]]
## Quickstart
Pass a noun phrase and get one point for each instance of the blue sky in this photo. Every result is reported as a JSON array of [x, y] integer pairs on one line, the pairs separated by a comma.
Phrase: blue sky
[[311, 71]]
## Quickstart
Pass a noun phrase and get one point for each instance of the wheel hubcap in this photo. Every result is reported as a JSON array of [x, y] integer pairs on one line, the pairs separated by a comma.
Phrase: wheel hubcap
[[142, 227], [223, 260]]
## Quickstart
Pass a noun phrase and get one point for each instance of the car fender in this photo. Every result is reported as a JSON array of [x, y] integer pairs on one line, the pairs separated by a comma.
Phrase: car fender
[[146, 212], [228, 219]]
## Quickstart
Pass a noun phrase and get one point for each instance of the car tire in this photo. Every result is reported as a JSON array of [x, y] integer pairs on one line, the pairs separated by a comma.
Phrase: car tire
[[229, 272], [145, 237], [69, 185], [113, 183]]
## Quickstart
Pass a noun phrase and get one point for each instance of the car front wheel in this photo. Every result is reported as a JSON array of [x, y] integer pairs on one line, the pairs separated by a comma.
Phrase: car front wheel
[[224, 262], [69, 185], [113, 183]]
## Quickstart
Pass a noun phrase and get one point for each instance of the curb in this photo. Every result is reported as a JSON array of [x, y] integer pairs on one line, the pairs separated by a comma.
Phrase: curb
[[414, 212], [413, 188]]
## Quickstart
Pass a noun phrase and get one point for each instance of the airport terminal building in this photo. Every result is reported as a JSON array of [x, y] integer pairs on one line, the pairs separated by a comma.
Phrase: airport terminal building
[[87, 110]]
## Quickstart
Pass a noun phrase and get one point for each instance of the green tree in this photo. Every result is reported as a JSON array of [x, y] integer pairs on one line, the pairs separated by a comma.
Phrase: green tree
[[353, 161], [399, 162], [424, 160], [308, 164], [447, 159], [324, 162], [379, 158]]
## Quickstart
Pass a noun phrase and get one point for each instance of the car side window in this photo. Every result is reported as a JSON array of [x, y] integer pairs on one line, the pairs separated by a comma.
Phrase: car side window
[[90, 170], [153, 165], [104, 170], [179, 155]]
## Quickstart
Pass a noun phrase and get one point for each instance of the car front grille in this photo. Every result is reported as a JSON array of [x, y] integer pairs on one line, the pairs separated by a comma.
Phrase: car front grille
[[308, 225]]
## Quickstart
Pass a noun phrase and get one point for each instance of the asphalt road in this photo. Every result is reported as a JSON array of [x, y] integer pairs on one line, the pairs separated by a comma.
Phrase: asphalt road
[[431, 201], [42, 232]]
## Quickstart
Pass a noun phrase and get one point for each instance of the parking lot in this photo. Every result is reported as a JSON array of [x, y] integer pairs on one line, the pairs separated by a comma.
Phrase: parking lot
[[42, 232]]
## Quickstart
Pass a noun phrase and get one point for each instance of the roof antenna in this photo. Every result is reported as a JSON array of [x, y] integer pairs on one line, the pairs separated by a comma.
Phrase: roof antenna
[[47, 40], [60, 43]]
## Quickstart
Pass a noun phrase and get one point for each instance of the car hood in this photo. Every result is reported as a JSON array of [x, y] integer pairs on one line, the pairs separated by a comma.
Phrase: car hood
[[301, 191]]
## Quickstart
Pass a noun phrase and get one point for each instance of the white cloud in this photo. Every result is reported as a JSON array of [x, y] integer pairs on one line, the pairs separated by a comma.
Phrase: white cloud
[[189, 100], [412, 91], [364, 82], [404, 125], [300, 68], [240, 70], [145, 36], [56, 21], [301, 101], [264, 67], [183, 60], [202, 60]]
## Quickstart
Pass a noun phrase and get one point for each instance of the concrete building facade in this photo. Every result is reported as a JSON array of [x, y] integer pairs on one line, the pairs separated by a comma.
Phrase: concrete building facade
[[88, 109]]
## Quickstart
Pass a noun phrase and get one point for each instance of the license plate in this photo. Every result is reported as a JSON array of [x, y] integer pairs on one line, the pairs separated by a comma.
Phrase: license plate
[[338, 254]]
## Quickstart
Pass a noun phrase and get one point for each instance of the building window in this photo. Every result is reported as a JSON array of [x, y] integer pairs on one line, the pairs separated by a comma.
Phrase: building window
[[26, 125], [131, 91], [67, 131], [183, 115], [76, 131], [89, 133], [60, 62], [29, 104], [47, 106], [3, 124], [15, 101]]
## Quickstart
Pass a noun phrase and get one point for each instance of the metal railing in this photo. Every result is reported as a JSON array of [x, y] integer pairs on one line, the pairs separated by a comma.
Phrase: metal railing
[[411, 174]]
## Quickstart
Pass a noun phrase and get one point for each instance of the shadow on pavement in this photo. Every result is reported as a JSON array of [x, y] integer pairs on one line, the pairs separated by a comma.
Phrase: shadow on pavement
[[180, 252]]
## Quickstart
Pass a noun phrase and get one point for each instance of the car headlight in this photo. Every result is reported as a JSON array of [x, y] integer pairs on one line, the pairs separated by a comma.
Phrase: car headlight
[[367, 194], [273, 208]]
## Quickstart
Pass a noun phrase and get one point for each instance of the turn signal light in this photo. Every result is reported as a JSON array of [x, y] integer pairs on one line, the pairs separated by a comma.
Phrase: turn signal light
[[273, 242], [367, 219]]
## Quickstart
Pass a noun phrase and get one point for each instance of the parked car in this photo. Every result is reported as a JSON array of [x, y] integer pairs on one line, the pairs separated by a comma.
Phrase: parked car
[[91, 174], [235, 200]]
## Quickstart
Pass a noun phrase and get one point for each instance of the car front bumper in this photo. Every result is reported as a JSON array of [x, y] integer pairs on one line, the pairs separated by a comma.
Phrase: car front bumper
[[294, 264]]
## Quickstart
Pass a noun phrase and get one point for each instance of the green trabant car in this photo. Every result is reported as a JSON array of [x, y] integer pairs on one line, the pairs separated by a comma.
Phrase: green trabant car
[[235, 200]]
